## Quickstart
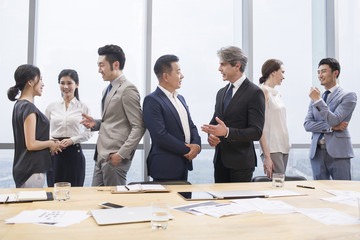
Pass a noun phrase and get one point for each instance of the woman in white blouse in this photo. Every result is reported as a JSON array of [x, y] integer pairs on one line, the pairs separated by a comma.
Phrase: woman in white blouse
[[274, 142], [65, 117]]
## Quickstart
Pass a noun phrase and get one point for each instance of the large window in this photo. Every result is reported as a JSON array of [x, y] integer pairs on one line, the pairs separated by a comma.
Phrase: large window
[[349, 58], [13, 52], [69, 33], [194, 31], [349, 55], [281, 32]]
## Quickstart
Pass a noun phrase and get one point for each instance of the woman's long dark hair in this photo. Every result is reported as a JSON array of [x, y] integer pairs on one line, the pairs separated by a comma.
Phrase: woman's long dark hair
[[22, 75]]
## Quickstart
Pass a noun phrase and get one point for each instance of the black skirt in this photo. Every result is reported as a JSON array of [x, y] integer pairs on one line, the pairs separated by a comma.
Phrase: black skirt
[[68, 166]]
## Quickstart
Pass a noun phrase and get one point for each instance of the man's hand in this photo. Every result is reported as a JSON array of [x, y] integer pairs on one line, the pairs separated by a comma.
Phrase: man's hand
[[314, 94], [218, 130], [88, 121], [114, 159], [194, 151], [213, 140], [341, 126]]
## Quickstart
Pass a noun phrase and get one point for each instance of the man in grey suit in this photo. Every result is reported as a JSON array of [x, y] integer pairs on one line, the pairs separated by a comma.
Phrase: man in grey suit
[[121, 126], [327, 118]]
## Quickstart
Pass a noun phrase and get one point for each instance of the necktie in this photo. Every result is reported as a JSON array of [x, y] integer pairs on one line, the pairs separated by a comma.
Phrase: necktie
[[228, 97], [104, 97], [326, 93]]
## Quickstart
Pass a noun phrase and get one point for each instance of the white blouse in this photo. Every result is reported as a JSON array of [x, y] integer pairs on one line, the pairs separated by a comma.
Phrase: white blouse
[[66, 122], [275, 128]]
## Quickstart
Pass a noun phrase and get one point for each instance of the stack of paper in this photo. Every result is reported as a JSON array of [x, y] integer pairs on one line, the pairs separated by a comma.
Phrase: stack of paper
[[49, 217]]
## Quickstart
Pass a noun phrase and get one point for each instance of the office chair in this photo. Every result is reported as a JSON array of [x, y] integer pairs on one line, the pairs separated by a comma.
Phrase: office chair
[[162, 182], [287, 178]]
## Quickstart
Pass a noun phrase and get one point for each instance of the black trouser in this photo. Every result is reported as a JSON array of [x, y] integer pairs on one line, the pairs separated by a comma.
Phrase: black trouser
[[223, 174]]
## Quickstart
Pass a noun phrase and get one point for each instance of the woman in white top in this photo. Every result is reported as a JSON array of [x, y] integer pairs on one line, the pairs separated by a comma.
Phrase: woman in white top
[[65, 117], [274, 142]]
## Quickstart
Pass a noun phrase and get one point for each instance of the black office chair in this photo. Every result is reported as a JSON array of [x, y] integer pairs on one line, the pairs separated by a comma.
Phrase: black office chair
[[287, 178], [163, 182], [295, 178]]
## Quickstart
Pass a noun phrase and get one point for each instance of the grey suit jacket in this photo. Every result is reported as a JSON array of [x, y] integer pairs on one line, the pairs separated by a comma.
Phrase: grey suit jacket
[[122, 125], [322, 116]]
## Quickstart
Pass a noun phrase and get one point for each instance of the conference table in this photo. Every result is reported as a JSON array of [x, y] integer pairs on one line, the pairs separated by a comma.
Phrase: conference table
[[253, 225]]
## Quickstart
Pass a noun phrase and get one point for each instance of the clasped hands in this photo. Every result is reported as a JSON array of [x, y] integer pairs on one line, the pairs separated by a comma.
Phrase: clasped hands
[[194, 151], [57, 146], [215, 131]]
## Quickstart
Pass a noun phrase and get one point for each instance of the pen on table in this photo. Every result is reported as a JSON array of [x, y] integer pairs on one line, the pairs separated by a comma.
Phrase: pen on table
[[7, 199], [302, 186]]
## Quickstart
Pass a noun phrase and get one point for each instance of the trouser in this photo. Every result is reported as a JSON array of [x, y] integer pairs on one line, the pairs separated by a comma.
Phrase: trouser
[[324, 166], [106, 174]]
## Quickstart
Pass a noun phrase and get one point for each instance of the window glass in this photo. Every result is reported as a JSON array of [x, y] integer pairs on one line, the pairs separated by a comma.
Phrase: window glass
[[282, 30], [349, 56], [14, 21], [194, 31], [69, 35]]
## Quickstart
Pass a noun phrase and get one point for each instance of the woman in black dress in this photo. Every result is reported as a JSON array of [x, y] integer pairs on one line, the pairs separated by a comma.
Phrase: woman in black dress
[[33, 149]]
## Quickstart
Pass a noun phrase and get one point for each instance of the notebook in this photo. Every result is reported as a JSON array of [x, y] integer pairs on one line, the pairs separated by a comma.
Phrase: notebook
[[140, 188], [122, 215], [26, 196]]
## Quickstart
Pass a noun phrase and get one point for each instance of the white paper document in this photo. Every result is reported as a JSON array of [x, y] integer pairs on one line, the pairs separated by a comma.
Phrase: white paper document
[[350, 201], [329, 216], [349, 198], [344, 193], [281, 193], [223, 210], [189, 208], [268, 206], [49, 217]]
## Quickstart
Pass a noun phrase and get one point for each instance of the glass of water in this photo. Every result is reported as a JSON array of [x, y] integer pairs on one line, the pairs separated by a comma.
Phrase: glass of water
[[62, 191], [278, 180], [160, 213]]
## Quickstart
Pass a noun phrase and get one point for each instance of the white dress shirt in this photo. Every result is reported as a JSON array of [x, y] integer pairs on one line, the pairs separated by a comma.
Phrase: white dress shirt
[[181, 111], [237, 84], [66, 122]]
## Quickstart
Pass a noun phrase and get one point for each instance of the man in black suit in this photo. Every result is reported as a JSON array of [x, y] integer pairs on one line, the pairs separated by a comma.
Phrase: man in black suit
[[238, 120]]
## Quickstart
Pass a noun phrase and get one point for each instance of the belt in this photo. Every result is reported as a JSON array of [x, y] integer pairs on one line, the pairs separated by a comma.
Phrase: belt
[[321, 145]]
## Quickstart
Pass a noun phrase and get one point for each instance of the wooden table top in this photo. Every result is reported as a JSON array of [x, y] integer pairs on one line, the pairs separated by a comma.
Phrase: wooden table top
[[254, 225]]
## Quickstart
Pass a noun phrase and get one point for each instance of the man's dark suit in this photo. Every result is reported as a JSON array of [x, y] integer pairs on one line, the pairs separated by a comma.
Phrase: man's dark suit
[[244, 117], [166, 159]]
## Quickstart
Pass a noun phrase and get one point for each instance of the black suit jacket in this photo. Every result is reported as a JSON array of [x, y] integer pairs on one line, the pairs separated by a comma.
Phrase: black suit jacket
[[244, 116]]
